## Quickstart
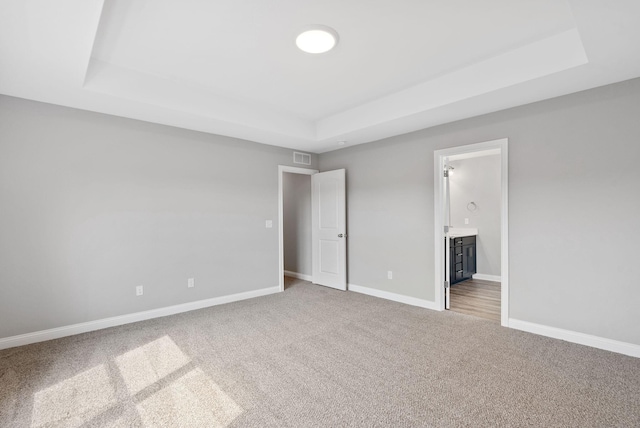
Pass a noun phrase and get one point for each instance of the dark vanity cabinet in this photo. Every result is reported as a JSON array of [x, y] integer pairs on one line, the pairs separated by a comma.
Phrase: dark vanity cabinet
[[463, 258]]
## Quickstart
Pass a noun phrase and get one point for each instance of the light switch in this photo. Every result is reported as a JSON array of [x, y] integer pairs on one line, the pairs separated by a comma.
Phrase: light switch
[[466, 221], [269, 224]]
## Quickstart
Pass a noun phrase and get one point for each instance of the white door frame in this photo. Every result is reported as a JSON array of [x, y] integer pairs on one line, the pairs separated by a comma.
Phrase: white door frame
[[439, 198], [281, 170]]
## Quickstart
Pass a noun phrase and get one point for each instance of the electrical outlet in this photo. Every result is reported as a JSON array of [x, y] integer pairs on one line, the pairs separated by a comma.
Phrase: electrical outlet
[[466, 221], [139, 290], [268, 224], [191, 282], [389, 274]]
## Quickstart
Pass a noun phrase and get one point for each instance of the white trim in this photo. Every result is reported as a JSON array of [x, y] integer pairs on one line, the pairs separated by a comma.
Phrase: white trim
[[438, 183], [413, 301], [297, 275], [504, 232], [483, 277], [438, 231], [70, 330], [625, 348], [281, 170]]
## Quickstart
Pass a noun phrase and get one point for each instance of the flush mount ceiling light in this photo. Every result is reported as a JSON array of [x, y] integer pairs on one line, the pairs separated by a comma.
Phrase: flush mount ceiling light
[[317, 39]]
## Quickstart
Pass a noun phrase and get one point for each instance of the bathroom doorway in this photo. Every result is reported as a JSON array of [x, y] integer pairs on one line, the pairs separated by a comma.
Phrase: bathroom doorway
[[471, 229]]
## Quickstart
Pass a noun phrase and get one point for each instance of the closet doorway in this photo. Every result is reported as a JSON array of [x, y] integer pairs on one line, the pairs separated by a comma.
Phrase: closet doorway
[[294, 217], [322, 230]]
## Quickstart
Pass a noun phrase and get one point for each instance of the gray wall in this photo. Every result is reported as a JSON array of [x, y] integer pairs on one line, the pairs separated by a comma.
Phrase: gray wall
[[573, 203], [478, 180], [92, 205], [297, 222]]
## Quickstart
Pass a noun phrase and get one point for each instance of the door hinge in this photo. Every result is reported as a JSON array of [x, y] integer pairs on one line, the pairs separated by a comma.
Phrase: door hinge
[[446, 229], [446, 284]]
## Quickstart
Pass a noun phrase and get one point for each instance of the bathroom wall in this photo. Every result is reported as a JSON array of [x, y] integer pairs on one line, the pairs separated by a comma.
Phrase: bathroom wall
[[477, 180]]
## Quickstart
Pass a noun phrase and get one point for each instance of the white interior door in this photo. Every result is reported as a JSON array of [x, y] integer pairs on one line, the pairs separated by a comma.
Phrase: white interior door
[[329, 229]]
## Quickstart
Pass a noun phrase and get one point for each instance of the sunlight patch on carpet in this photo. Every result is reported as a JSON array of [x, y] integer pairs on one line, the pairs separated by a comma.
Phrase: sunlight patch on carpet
[[191, 400], [74, 401], [147, 364]]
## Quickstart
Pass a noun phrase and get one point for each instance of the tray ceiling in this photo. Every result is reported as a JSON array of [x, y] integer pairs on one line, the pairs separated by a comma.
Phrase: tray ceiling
[[232, 68]]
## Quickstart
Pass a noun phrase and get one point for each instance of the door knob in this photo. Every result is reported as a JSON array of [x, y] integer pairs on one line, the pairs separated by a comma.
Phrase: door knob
[[342, 235]]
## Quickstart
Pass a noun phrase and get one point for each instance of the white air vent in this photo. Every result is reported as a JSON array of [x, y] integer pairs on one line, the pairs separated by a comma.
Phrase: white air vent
[[302, 158]]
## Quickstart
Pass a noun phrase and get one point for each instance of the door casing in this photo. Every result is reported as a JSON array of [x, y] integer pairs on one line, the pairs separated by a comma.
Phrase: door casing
[[439, 235]]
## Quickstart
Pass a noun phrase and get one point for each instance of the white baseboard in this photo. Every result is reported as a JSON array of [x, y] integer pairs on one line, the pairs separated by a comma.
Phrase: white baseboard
[[576, 337], [494, 278], [427, 304], [297, 275], [70, 330]]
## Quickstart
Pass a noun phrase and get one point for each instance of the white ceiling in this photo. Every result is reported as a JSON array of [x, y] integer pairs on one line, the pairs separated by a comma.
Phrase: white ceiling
[[231, 67]]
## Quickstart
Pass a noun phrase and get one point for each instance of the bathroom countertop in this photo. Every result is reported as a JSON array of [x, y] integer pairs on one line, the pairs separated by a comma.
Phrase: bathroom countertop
[[456, 232]]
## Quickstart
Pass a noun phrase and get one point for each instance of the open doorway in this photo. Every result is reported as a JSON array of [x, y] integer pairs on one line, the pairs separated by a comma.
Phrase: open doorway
[[474, 205], [295, 261], [471, 230], [327, 226]]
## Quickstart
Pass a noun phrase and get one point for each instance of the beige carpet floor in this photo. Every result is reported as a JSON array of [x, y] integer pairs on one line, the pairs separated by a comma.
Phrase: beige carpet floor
[[313, 356]]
